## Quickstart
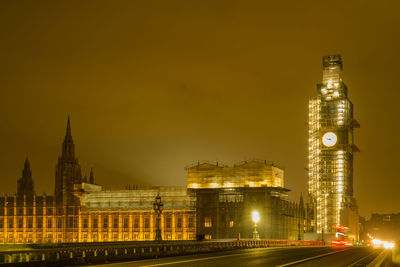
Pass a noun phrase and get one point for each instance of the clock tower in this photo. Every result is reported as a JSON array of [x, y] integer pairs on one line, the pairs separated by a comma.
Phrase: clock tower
[[330, 157]]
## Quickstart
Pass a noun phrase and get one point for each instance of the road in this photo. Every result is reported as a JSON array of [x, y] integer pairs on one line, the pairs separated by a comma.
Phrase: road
[[299, 256]]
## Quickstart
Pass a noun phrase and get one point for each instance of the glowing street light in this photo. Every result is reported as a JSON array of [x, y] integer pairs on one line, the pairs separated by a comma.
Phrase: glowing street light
[[256, 218]]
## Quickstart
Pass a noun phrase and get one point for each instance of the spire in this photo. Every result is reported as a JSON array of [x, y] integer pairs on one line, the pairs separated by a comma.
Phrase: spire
[[68, 147], [25, 183], [68, 132], [26, 172], [68, 170], [27, 165], [91, 178]]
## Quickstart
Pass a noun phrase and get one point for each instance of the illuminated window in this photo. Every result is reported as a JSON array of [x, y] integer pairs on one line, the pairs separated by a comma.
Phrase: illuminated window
[[59, 223], [126, 222], [147, 222], [115, 222], [39, 210], [207, 222], [10, 211], [20, 212], [179, 223], [168, 222], [207, 236], [191, 222], [231, 224], [105, 222], [85, 223], [49, 211], [59, 211], [95, 222], [136, 223], [39, 223], [70, 222]]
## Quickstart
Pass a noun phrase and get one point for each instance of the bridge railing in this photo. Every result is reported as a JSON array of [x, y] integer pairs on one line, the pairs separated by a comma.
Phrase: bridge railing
[[80, 254]]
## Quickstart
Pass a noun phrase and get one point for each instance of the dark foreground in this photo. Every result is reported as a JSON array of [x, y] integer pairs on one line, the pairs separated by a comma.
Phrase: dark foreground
[[299, 256]]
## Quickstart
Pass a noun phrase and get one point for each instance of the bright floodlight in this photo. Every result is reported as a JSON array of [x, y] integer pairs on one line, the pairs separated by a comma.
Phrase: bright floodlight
[[380, 243], [255, 216]]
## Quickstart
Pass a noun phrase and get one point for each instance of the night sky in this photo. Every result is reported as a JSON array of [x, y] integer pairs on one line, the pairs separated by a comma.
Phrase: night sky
[[152, 86]]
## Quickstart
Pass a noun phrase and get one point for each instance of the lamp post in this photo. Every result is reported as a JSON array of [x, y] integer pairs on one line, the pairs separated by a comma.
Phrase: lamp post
[[298, 228], [256, 218], [158, 207]]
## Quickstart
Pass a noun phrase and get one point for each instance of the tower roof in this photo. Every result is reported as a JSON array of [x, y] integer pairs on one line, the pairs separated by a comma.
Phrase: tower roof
[[332, 61], [26, 172], [26, 164], [25, 183]]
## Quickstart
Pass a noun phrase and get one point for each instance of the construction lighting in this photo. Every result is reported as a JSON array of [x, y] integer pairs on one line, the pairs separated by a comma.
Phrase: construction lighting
[[329, 114], [256, 218]]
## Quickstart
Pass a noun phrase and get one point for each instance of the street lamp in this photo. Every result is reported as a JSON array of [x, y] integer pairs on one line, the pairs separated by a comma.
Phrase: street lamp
[[256, 218], [158, 207]]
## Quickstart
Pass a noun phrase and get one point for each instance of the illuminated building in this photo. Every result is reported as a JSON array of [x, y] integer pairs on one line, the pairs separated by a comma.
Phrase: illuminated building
[[80, 211], [331, 151], [128, 215], [218, 202], [245, 174], [226, 198]]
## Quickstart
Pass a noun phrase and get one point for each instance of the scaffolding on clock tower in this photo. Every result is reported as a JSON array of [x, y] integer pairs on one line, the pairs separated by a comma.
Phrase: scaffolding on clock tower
[[330, 164]]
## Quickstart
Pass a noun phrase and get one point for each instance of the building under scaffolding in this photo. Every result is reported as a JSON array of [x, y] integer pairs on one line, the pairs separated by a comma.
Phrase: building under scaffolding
[[253, 173], [127, 215], [331, 150], [227, 196], [217, 203]]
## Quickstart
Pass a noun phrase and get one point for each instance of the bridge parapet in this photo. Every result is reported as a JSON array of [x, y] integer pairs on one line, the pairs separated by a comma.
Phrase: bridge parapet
[[90, 253]]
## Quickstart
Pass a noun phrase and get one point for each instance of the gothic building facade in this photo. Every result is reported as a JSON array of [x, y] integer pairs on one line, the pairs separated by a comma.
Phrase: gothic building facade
[[80, 211], [217, 203]]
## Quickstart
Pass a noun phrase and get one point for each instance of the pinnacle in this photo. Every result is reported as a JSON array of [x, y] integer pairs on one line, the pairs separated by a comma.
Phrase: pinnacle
[[68, 133], [91, 177], [26, 161]]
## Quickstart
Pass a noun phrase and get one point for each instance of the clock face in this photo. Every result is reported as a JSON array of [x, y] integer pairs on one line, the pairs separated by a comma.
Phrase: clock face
[[329, 139]]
